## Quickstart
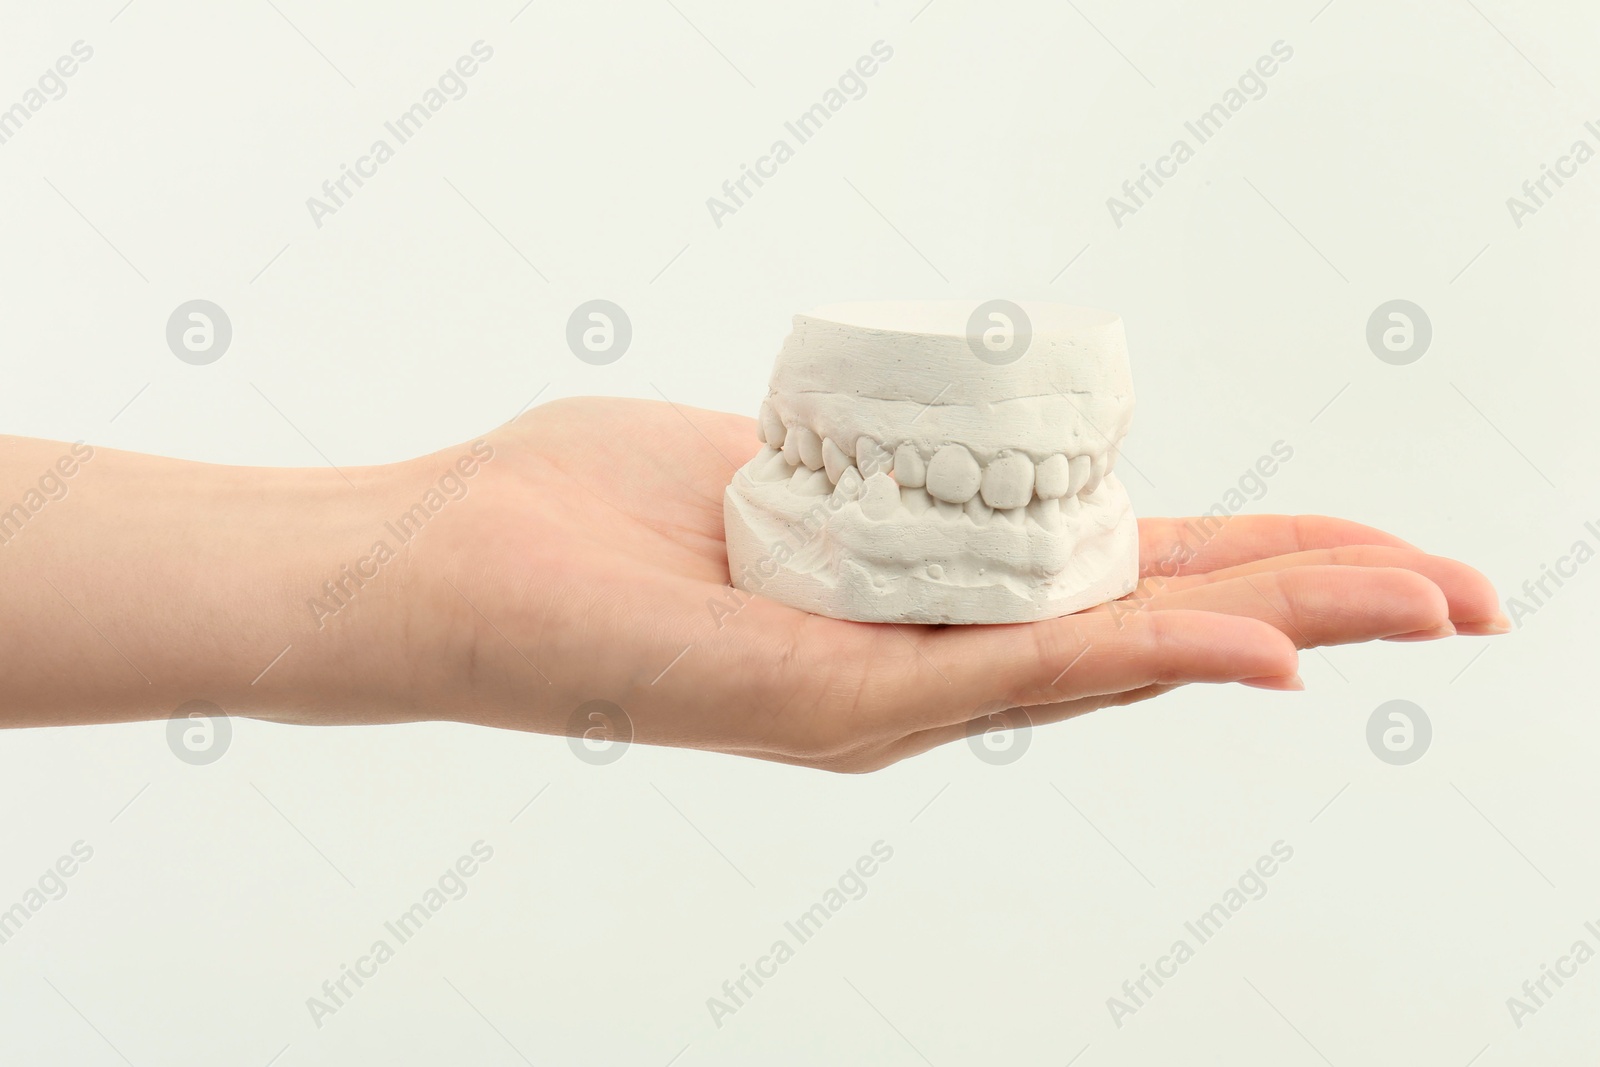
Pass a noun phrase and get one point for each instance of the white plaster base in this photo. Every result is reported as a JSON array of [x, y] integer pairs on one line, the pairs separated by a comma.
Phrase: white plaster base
[[808, 565]]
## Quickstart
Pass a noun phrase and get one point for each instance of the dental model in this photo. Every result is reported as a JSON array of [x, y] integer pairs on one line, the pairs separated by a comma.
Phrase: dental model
[[937, 463]]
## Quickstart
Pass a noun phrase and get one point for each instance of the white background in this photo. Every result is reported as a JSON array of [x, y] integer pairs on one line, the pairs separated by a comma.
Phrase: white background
[[1020, 895]]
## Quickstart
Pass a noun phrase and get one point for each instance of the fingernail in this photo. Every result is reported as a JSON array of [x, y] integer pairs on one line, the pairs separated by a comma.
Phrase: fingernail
[[1291, 684], [1443, 630], [1485, 627]]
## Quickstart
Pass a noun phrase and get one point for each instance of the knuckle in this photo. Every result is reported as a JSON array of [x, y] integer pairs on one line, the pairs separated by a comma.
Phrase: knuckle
[[1057, 642], [1299, 531], [1160, 636]]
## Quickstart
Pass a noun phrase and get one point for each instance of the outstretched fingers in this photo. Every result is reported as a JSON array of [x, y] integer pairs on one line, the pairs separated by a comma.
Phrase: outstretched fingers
[[1473, 605], [1170, 547], [1318, 605], [952, 675]]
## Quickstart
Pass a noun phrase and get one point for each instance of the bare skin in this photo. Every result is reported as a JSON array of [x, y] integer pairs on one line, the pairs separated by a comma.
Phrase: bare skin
[[580, 560]]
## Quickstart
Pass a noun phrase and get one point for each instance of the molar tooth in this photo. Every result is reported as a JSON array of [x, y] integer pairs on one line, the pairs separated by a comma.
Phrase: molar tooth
[[953, 475], [871, 457], [909, 469], [1098, 466], [834, 459], [1046, 512], [978, 511], [769, 427], [1053, 478], [1080, 475], [915, 499], [849, 487], [881, 499], [805, 482], [810, 446], [1008, 482]]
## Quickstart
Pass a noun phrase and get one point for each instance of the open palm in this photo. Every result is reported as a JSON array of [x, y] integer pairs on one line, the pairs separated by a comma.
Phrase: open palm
[[590, 566]]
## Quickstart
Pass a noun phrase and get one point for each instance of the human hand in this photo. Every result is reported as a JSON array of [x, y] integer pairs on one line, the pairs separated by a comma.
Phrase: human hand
[[588, 564]]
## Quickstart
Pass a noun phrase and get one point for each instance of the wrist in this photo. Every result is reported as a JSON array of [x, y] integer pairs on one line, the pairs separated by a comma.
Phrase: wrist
[[382, 626], [335, 595]]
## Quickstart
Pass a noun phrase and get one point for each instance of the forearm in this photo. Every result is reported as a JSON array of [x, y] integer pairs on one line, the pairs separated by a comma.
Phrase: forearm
[[132, 584]]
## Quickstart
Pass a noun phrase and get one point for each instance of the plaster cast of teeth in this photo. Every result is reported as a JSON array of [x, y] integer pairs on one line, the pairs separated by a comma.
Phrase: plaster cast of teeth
[[909, 470], [834, 460], [907, 478], [809, 446], [871, 457], [1053, 478]]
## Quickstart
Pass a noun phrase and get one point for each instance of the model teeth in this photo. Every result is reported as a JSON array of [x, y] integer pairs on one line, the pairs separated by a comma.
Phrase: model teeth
[[1080, 475], [1046, 512], [834, 461], [954, 475], [809, 446], [1008, 482], [849, 487], [1098, 466], [770, 428], [915, 499], [806, 482], [871, 457], [881, 499], [1011, 481], [922, 484], [1012, 486], [909, 469], [770, 466]]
